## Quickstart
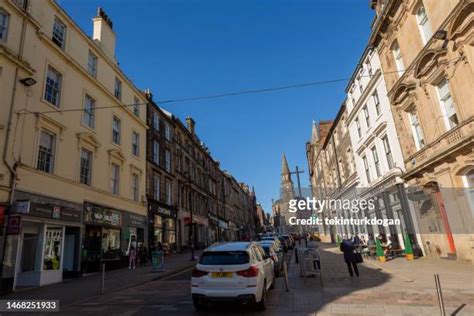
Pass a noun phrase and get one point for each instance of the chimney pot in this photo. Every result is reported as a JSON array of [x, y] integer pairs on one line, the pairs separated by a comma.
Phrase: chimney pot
[[191, 124]]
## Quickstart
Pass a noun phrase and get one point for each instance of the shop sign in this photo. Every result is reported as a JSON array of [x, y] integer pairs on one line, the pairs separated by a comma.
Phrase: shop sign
[[133, 220], [23, 207], [47, 211], [163, 211], [100, 215], [56, 212], [14, 225]]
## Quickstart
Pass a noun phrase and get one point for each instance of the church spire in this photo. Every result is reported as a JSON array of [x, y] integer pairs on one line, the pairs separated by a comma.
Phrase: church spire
[[315, 133], [285, 170]]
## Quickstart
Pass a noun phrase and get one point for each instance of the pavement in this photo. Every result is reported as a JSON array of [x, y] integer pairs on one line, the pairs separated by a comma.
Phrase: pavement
[[74, 291], [396, 287]]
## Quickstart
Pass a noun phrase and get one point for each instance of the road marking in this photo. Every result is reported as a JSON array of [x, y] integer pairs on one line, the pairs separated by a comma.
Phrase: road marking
[[175, 274]]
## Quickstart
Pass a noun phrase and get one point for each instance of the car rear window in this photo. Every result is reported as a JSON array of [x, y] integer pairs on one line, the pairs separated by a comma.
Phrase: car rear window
[[224, 258]]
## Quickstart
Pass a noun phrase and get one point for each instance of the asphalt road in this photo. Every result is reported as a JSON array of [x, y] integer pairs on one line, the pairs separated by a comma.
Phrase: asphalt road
[[168, 296]]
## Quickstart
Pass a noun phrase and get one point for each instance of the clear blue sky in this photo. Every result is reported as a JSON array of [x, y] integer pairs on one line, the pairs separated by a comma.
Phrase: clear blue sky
[[185, 48]]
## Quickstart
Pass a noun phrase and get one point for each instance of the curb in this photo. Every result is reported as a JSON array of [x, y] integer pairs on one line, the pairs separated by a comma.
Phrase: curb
[[157, 278]]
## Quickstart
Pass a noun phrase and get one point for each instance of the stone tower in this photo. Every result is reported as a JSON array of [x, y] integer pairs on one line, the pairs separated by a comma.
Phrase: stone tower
[[286, 187]]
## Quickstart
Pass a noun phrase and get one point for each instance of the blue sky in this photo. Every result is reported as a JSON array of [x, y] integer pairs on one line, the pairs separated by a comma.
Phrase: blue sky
[[186, 48]]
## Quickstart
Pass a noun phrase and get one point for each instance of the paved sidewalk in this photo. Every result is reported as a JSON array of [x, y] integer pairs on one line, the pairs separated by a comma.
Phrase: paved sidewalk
[[87, 287], [378, 291]]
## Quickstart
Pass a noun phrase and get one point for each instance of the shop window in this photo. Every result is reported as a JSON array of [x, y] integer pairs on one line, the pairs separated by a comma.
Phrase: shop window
[[53, 248], [110, 243]]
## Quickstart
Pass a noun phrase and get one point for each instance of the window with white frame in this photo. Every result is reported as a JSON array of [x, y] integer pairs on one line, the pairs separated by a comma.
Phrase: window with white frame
[[116, 130], [135, 144], [447, 105], [369, 67], [168, 191], [423, 24], [115, 179], [88, 115], [366, 115], [86, 167], [397, 56], [46, 151], [167, 132], [135, 187], [358, 127], [92, 64], [388, 152], [359, 83], [416, 130], [375, 156], [52, 92], [118, 88], [59, 33], [375, 97], [4, 17], [156, 152], [366, 168], [155, 120], [136, 106], [156, 187], [168, 160]]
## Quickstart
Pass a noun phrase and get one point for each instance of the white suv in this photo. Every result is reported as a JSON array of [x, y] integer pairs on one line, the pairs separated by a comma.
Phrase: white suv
[[232, 272]]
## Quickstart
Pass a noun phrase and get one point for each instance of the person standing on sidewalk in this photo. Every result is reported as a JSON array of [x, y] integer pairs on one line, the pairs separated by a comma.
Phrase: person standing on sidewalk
[[347, 247], [132, 258]]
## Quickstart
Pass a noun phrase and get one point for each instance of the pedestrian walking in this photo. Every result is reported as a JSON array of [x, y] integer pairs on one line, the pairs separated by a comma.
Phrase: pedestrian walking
[[132, 257], [347, 247], [144, 256]]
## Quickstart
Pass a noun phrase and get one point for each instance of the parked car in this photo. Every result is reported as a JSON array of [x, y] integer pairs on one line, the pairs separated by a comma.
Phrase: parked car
[[274, 253], [273, 238], [232, 272]]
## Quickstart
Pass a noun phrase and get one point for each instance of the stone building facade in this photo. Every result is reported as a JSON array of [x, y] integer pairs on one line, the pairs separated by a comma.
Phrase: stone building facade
[[378, 156], [71, 174], [426, 50]]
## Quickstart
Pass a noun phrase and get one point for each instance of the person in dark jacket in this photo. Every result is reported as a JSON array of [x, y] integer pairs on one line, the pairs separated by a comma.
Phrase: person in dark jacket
[[348, 248]]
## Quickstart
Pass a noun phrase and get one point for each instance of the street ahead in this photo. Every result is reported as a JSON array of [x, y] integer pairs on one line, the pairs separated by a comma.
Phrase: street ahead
[[396, 287]]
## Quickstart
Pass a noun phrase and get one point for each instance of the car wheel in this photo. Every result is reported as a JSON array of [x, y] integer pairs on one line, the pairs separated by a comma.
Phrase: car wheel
[[263, 301], [198, 306]]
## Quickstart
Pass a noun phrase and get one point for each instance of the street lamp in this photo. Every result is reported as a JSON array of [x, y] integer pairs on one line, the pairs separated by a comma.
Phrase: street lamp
[[28, 81]]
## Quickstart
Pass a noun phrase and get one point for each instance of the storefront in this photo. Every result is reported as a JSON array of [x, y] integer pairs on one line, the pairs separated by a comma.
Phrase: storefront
[[200, 229], [108, 236], [162, 227], [43, 241], [213, 228], [223, 227]]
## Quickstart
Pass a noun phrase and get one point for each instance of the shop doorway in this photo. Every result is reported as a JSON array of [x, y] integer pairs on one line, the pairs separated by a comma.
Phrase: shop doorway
[[71, 252]]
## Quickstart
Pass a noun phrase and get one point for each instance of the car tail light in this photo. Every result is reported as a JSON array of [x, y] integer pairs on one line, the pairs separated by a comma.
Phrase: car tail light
[[249, 273], [198, 273]]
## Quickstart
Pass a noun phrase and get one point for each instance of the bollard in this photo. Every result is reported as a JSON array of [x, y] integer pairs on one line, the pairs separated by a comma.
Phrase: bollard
[[285, 272], [296, 255], [102, 282], [440, 295]]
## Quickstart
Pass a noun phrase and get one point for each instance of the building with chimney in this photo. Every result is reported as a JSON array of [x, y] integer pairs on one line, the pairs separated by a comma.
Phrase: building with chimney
[[426, 51], [71, 176], [318, 175], [161, 183]]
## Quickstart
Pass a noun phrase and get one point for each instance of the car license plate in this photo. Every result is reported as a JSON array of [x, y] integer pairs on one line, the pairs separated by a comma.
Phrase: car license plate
[[221, 274]]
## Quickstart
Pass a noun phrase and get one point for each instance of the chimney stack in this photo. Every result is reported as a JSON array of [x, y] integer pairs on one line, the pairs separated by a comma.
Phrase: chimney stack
[[191, 124], [103, 33]]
